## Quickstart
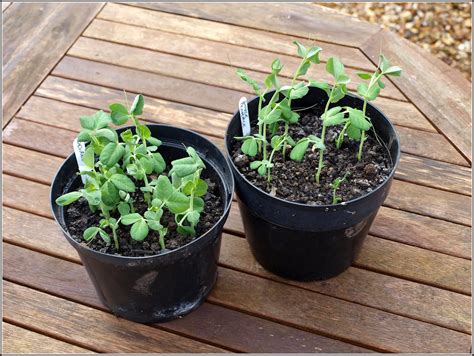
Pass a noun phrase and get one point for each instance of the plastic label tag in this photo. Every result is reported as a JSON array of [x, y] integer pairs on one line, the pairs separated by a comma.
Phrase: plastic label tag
[[79, 150], [244, 116]]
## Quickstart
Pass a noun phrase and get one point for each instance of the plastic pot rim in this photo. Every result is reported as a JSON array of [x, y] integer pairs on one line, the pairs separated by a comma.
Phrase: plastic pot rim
[[166, 254], [302, 205]]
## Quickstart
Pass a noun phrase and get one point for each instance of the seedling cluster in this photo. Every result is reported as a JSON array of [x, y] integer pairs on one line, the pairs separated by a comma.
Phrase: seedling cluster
[[276, 114], [118, 171]]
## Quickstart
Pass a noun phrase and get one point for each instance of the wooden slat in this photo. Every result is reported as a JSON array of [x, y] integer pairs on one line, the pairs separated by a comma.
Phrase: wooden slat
[[344, 320], [434, 174], [35, 37], [422, 231], [174, 65], [17, 340], [173, 89], [395, 295], [72, 322], [438, 90], [96, 96], [235, 330], [378, 254], [426, 144], [5, 5], [376, 290], [431, 202], [24, 267], [304, 20], [223, 33]]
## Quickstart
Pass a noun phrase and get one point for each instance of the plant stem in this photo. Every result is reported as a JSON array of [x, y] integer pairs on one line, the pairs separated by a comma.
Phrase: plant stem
[[323, 137], [114, 234], [284, 147], [362, 136]]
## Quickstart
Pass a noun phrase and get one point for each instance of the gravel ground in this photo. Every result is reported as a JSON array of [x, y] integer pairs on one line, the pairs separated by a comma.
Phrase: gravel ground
[[442, 28]]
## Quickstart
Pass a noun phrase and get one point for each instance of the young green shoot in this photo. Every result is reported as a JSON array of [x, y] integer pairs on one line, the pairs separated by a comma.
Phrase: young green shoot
[[336, 183]]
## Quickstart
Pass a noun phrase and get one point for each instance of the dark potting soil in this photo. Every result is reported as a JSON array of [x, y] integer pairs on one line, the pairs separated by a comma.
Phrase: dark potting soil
[[79, 217], [295, 181]]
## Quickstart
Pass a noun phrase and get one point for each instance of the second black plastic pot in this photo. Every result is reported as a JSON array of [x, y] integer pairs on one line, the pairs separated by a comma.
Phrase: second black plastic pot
[[300, 241], [161, 287]]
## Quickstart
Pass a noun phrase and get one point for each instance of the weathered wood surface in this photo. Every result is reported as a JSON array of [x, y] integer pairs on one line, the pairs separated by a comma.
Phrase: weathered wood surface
[[408, 290], [19, 340], [35, 37]]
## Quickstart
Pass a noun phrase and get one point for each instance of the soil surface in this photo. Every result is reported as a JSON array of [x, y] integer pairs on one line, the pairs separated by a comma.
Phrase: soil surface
[[295, 181], [79, 217]]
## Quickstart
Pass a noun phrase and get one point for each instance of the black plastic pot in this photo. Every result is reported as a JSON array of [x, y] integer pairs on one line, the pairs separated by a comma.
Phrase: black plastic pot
[[161, 287], [300, 241]]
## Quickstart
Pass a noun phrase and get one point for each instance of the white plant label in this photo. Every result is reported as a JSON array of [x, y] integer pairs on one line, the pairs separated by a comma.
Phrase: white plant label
[[79, 150], [244, 116]]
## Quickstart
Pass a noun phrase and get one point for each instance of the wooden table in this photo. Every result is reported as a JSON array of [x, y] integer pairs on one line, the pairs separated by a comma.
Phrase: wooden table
[[408, 291]]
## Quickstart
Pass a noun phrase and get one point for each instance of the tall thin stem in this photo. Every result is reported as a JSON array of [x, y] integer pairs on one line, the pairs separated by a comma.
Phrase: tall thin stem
[[323, 137]]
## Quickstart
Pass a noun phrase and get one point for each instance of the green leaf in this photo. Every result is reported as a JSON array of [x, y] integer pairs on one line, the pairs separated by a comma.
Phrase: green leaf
[[186, 230], [357, 119], [147, 164], [394, 71], [123, 208], [193, 217], [105, 236], [198, 204], [137, 106], [68, 198], [90, 233], [178, 203], [127, 136], [159, 163], [255, 164], [139, 230], [338, 93], [109, 194], [163, 188], [201, 188], [119, 114], [343, 79], [130, 219], [317, 142], [154, 141], [270, 81], [273, 116], [88, 122], [384, 64], [381, 84], [353, 132], [299, 91], [321, 85], [304, 68], [373, 93], [107, 133], [250, 147], [313, 54], [262, 170], [301, 49], [102, 119], [297, 153], [335, 119], [364, 75], [122, 182], [144, 132], [92, 196], [246, 78], [88, 157], [84, 135], [111, 154], [334, 67], [276, 66]]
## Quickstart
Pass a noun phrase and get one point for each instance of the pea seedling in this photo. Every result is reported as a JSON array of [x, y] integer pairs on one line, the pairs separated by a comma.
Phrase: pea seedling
[[276, 110], [336, 183], [114, 169]]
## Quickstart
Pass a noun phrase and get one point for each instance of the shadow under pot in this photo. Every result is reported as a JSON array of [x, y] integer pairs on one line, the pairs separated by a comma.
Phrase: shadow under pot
[[301, 241], [168, 285]]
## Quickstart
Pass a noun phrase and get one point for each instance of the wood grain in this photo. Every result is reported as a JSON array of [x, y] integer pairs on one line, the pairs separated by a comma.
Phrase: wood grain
[[219, 32], [35, 37], [60, 318], [5, 5], [425, 144], [344, 320], [430, 202], [438, 90], [376, 290], [26, 273], [17, 340], [287, 18], [219, 325], [381, 255]]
